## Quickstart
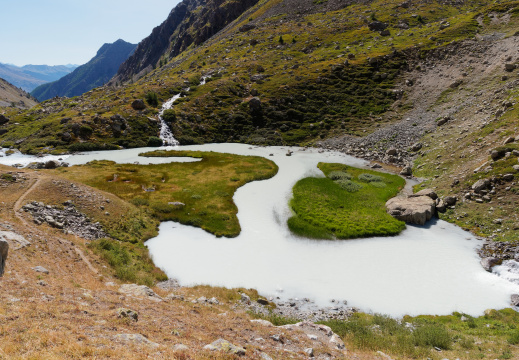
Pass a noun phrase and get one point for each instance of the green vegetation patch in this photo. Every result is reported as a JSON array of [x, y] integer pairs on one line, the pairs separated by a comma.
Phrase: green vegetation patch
[[457, 336], [342, 208], [196, 193]]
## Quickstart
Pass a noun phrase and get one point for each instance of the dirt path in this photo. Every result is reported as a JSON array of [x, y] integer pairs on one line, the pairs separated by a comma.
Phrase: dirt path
[[16, 209]]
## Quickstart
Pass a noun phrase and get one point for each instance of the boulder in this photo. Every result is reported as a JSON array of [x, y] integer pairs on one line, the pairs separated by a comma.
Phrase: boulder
[[138, 104], [377, 26], [406, 171], [3, 120], [40, 269], [391, 152], [246, 27], [449, 200], [509, 140], [416, 147], [135, 338], [52, 164], [508, 177], [225, 346], [255, 104], [481, 184], [127, 313], [514, 300], [139, 291], [440, 206], [426, 192], [413, 210], [489, 262], [510, 67], [442, 121], [4, 250]]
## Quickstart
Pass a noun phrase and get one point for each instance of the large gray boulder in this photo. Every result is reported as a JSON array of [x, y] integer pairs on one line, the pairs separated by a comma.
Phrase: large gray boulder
[[4, 249], [481, 184], [413, 210], [225, 346], [426, 192], [489, 262]]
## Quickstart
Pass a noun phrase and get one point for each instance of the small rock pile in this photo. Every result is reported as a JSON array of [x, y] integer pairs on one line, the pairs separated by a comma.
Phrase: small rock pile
[[67, 218]]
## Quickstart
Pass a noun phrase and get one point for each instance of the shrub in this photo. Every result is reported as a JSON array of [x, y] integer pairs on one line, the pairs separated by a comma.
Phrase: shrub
[[339, 175], [138, 201], [370, 178], [163, 208], [432, 335], [152, 99], [154, 141], [513, 339], [169, 115], [349, 185], [8, 177], [85, 131]]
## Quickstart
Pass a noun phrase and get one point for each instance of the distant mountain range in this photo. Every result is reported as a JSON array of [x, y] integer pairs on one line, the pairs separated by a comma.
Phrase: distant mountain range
[[29, 77], [95, 73]]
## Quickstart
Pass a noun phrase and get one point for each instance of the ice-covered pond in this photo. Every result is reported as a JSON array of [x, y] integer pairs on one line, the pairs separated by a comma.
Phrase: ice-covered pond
[[425, 270]]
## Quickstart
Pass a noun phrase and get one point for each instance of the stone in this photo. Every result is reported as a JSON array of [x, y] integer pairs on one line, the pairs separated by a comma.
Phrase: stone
[[245, 298], [262, 301], [309, 352], [139, 291], [449, 200], [135, 338], [225, 346], [442, 121], [509, 140], [391, 152], [495, 155], [3, 120], [264, 356], [384, 356], [180, 347], [377, 26], [138, 104], [406, 171], [255, 104], [246, 27], [127, 313], [262, 322], [481, 184], [40, 269], [489, 262], [4, 250], [516, 167], [336, 341], [426, 192], [413, 210], [52, 164], [416, 147], [385, 33], [440, 207], [508, 177], [514, 300], [510, 67]]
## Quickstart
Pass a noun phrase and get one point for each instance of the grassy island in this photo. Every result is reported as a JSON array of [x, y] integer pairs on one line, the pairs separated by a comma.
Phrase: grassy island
[[194, 193], [347, 203]]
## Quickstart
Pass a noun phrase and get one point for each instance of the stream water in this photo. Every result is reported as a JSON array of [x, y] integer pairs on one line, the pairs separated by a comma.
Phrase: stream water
[[431, 269]]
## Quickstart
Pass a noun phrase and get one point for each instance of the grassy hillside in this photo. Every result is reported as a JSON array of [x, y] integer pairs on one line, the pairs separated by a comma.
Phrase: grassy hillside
[[315, 75]]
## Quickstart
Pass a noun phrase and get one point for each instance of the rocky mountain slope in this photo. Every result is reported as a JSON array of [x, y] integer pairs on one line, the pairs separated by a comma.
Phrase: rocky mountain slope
[[29, 77], [93, 74], [11, 96]]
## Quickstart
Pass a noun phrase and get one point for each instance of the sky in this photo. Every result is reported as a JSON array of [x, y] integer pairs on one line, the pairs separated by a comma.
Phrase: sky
[[61, 32]]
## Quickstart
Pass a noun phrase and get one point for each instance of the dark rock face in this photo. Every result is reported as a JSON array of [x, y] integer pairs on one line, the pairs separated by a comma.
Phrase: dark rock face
[[3, 120], [4, 249], [377, 26], [176, 34]]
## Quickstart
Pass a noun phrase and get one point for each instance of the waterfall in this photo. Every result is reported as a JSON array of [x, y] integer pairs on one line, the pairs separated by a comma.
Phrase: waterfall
[[165, 132]]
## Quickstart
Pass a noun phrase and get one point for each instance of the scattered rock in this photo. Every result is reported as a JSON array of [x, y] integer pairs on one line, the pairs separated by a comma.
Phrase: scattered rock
[[262, 322], [309, 352], [377, 26], [245, 298], [406, 171], [514, 300], [489, 262], [135, 338], [450, 200], [481, 184], [414, 210], [509, 140], [508, 177], [139, 291], [127, 313], [416, 147], [138, 104], [3, 120], [40, 269], [225, 346], [443, 121], [180, 347]]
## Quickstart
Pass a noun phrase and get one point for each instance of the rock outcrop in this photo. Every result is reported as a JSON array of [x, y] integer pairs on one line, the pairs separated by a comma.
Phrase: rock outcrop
[[413, 209], [4, 249]]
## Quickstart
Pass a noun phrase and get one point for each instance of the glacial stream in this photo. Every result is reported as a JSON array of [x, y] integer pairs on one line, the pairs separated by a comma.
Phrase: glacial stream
[[432, 269]]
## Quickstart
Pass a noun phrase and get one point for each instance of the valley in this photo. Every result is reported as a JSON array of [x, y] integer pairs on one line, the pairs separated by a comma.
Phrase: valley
[[235, 179]]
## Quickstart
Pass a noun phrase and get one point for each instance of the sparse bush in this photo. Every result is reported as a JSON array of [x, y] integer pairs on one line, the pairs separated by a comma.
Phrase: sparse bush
[[432, 335], [138, 201], [370, 178], [349, 185], [339, 175], [154, 141], [85, 131], [169, 116], [152, 99]]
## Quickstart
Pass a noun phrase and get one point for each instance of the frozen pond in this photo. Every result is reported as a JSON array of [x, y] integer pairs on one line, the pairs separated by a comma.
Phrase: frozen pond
[[425, 270]]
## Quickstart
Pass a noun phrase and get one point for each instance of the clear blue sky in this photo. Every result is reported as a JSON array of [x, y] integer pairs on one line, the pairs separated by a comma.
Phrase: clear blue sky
[[59, 32]]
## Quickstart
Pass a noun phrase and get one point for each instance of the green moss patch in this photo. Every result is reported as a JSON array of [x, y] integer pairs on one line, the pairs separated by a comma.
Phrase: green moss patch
[[325, 208]]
